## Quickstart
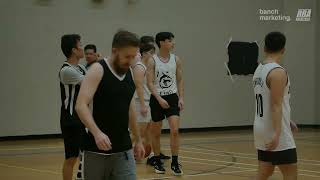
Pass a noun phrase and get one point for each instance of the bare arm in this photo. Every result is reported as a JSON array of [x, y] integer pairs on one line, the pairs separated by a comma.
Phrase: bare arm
[[277, 80], [138, 147], [138, 74], [180, 82], [87, 91], [88, 88], [151, 78], [133, 122]]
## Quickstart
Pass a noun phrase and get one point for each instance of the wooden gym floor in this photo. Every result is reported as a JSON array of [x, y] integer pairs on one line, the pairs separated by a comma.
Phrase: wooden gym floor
[[222, 155]]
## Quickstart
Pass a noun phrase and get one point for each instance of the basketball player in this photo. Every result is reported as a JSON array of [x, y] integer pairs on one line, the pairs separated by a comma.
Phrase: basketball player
[[272, 126], [147, 44], [108, 149], [166, 85], [91, 55], [142, 95], [71, 74], [147, 40]]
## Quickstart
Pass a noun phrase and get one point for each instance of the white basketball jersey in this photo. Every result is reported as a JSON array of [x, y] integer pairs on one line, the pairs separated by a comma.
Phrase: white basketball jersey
[[146, 92], [165, 75], [263, 128]]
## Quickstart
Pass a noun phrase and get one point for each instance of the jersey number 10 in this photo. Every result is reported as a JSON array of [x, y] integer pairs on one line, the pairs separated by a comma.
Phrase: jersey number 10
[[259, 105]]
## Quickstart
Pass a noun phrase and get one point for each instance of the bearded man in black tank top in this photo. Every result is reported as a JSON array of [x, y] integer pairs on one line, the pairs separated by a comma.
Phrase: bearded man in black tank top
[[108, 149]]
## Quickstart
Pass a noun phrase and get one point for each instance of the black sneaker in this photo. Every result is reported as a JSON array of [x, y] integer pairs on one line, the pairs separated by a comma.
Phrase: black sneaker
[[151, 161], [162, 156], [176, 169], [158, 168]]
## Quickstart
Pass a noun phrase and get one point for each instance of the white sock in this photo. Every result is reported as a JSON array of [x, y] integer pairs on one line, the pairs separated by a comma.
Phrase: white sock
[[151, 155]]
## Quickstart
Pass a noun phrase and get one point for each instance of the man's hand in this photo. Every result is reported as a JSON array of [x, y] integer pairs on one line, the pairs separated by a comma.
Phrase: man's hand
[[293, 126], [138, 151], [181, 104], [163, 103], [273, 144], [144, 110], [102, 141]]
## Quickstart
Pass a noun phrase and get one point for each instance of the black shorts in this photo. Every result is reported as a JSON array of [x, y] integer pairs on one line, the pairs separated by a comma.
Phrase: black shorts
[[73, 133], [158, 113], [73, 138], [288, 156]]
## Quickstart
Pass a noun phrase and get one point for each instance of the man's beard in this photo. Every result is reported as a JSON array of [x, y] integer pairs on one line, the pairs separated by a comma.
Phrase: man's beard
[[119, 70]]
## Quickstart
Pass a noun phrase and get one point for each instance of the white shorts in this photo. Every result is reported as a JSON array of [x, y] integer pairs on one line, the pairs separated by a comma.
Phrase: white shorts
[[140, 118]]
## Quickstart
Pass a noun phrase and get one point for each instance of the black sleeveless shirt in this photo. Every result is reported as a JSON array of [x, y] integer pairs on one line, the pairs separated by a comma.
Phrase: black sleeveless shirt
[[111, 104], [69, 94]]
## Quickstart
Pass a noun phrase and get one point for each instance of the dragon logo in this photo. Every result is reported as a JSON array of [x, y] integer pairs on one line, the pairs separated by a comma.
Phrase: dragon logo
[[165, 80]]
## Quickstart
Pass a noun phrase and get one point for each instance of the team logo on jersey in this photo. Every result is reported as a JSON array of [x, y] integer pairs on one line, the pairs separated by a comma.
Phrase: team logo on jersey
[[165, 80]]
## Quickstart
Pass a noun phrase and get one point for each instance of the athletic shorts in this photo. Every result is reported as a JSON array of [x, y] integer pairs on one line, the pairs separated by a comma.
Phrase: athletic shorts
[[117, 166], [158, 113], [288, 156], [73, 133]]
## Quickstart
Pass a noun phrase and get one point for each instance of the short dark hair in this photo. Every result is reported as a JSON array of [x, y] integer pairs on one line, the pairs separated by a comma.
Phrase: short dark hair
[[124, 39], [274, 42], [147, 39], [91, 46], [68, 42], [146, 48], [162, 36]]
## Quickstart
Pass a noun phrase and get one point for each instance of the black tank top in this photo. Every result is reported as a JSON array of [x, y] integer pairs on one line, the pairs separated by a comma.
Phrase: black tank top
[[111, 104], [69, 94]]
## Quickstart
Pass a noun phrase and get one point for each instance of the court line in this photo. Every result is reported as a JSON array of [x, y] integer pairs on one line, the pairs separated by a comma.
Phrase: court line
[[247, 154], [215, 138], [253, 165], [31, 153], [32, 148], [237, 137], [52, 172], [56, 173], [183, 139], [220, 165], [30, 169], [231, 172], [193, 175], [309, 144], [225, 155], [203, 174], [309, 175], [218, 173], [238, 167], [219, 161], [56, 147]]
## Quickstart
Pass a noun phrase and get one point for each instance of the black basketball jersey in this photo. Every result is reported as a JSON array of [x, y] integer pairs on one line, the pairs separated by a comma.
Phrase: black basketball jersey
[[69, 90], [111, 104]]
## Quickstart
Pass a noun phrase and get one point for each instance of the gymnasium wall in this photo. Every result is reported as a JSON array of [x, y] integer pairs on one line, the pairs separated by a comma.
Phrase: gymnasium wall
[[31, 56], [317, 65], [300, 61]]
